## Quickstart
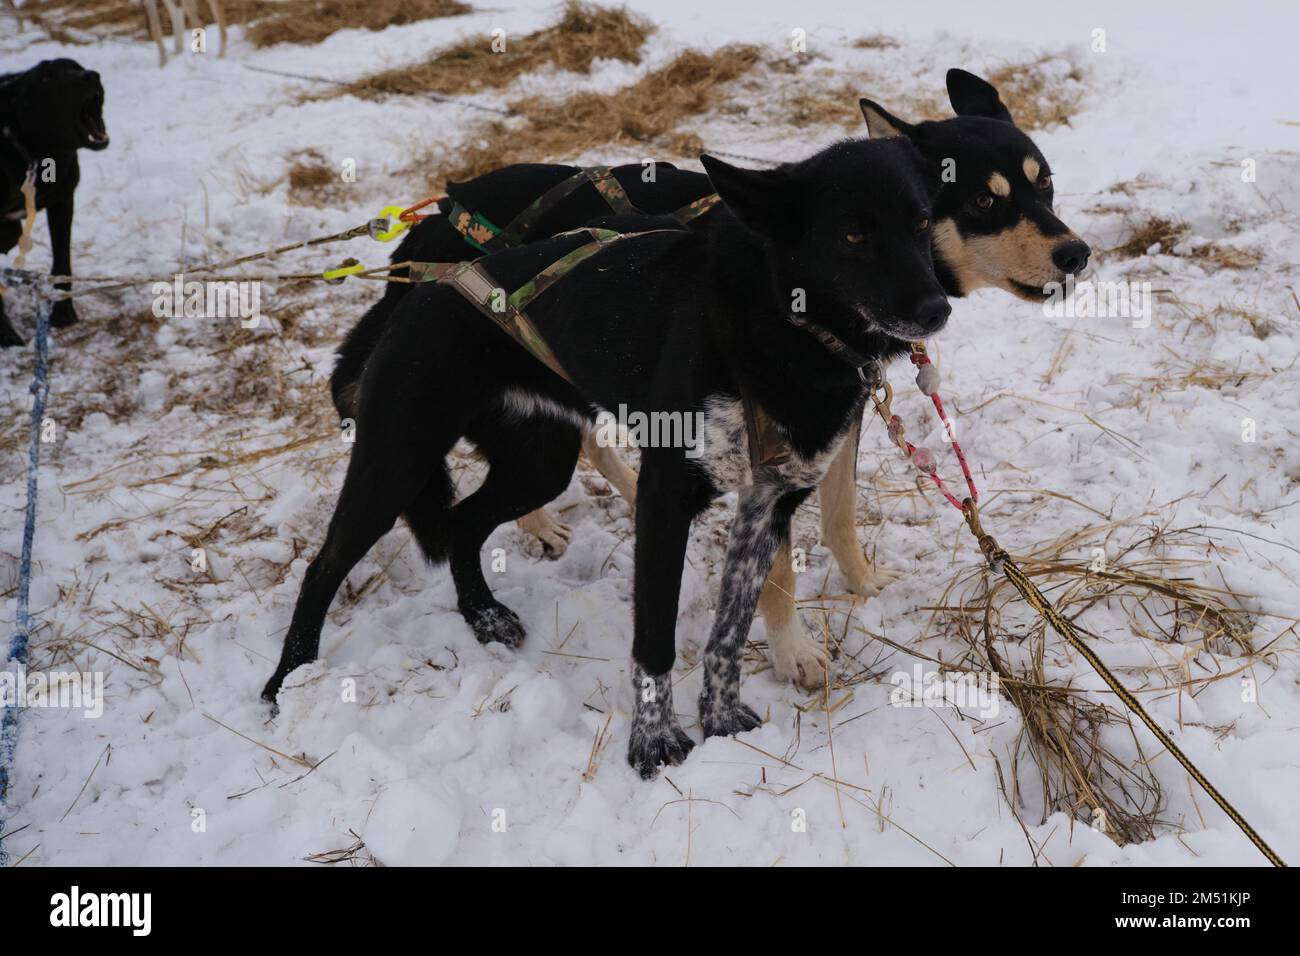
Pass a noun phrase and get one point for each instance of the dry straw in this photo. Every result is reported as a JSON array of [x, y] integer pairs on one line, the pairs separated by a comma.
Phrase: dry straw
[[1090, 762], [1037, 96], [646, 113], [1174, 237], [584, 34]]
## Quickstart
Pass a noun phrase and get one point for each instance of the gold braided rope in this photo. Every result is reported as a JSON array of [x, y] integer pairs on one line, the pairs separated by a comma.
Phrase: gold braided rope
[[999, 560]]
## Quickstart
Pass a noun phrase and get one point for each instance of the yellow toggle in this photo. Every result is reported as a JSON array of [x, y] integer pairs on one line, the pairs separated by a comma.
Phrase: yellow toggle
[[382, 232], [350, 267]]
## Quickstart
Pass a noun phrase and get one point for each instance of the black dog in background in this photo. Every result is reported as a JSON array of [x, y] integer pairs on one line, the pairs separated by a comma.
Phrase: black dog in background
[[46, 115]]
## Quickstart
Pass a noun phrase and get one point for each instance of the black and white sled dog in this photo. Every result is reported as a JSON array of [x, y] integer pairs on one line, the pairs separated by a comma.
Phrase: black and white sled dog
[[994, 226], [677, 321]]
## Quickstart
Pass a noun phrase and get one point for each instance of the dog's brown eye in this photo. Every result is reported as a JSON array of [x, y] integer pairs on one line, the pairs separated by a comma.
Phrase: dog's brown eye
[[923, 224], [984, 202], [1045, 182], [855, 237]]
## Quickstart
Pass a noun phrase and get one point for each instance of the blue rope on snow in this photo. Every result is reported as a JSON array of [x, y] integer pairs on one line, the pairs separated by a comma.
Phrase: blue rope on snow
[[40, 390]]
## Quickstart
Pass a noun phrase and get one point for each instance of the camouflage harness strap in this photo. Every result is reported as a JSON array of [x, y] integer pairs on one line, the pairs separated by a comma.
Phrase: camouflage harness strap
[[768, 446], [694, 210], [475, 283], [523, 223], [610, 189], [485, 236], [477, 229]]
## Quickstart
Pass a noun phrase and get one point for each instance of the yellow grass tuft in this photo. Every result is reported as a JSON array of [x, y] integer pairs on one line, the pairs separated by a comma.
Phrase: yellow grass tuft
[[646, 113], [584, 34], [1037, 95], [1169, 234]]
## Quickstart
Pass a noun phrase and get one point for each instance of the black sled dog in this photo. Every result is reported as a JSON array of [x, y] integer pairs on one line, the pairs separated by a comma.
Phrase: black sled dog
[[759, 305], [46, 115], [994, 226]]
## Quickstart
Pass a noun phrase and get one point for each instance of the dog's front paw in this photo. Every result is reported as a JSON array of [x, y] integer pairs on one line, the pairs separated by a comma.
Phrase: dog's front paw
[[872, 580], [554, 534], [797, 657], [494, 623], [63, 314], [651, 747], [725, 720]]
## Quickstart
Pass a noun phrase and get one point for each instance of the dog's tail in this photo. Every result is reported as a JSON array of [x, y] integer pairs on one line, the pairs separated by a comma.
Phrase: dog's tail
[[360, 342], [356, 348]]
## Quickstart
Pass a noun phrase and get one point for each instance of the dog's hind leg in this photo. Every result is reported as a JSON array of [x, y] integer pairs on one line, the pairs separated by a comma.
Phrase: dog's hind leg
[[762, 521], [530, 464], [555, 534], [546, 528], [610, 463], [795, 655], [838, 496], [381, 483]]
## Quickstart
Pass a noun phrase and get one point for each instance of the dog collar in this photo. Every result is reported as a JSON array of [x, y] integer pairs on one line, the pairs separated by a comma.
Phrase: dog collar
[[869, 370]]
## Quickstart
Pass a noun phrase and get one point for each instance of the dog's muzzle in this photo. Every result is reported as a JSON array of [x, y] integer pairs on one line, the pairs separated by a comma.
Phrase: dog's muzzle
[[1071, 257], [92, 127]]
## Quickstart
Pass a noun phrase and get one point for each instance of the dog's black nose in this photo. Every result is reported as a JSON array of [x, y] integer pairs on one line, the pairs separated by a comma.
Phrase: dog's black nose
[[931, 314], [1072, 258]]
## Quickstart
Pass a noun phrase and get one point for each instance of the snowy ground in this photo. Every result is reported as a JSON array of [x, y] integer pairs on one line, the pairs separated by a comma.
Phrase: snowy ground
[[467, 754]]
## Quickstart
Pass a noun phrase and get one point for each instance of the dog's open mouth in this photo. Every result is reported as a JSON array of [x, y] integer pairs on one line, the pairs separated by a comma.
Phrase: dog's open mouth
[[91, 122], [1034, 293]]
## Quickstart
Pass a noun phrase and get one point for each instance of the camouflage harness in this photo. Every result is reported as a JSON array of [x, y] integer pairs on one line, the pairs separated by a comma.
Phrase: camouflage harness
[[768, 445], [481, 233], [473, 281]]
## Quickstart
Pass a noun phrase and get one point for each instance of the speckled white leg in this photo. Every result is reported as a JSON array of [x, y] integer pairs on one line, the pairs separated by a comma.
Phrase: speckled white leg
[[755, 539], [656, 738]]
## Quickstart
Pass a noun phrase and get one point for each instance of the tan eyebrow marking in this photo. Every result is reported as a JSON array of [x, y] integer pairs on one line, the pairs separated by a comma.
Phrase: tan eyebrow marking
[[1032, 169], [999, 186]]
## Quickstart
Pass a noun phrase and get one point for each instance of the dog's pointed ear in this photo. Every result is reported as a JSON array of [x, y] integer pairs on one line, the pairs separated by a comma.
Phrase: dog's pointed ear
[[760, 198], [882, 124], [971, 96]]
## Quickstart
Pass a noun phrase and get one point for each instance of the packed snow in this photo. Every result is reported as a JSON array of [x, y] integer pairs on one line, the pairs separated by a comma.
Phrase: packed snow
[[409, 743]]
